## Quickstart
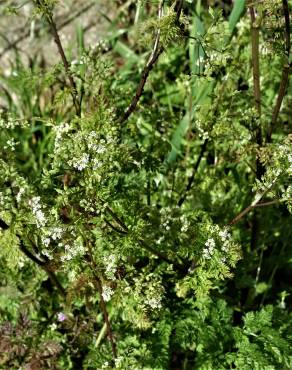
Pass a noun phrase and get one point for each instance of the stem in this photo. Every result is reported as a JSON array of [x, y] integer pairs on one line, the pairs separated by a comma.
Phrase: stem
[[114, 227], [98, 285], [255, 203], [101, 335], [258, 130], [255, 59], [142, 242], [44, 266], [37, 261], [156, 52], [140, 88], [192, 177], [285, 72], [65, 62], [250, 207], [66, 65]]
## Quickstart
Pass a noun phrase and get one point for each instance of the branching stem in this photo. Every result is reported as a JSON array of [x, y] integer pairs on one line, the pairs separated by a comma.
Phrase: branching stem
[[285, 72], [142, 242], [98, 284], [73, 90], [192, 177], [156, 52]]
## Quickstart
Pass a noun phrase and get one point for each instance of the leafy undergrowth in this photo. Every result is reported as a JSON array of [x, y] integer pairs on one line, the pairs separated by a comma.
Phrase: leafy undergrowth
[[145, 191]]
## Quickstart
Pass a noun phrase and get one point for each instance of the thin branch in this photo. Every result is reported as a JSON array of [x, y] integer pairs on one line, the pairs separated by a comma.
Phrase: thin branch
[[269, 203], [255, 33], [54, 30], [29, 255], [43, 265], [117, 218], [145, 73], [74, 92], [105, 314], [192, 177], [287, 27], [157, 37], [143, 243], [156, 52], [37, 261], [256, 203], [101, 334], [285, 72], [98, 285], [115, 228], [25, 34], [255, 59], [178, 8]]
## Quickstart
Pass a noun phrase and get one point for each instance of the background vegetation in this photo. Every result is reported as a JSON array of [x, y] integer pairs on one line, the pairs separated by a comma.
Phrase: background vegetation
[[145, 185]]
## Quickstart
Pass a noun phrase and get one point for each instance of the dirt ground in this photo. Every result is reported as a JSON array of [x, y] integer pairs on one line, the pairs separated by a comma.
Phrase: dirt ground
[[28, 34]]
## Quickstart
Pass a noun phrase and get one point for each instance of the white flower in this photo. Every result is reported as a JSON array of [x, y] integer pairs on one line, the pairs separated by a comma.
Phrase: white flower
[[46, 241], [206, 254], [154, 302], [81, 163], [60, 131], [40, 218], [35, 205], [225, 247], [160, 239], [224, 235], [96, 163], [111, 267], [210, 243], [118, 361], [209, 250], [10, 144], [56, 233], [107, 293], [19, 194]]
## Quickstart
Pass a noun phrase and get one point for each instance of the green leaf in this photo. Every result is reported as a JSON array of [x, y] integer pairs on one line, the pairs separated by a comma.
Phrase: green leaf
[[199, 95], [124, 51], [236, 13]]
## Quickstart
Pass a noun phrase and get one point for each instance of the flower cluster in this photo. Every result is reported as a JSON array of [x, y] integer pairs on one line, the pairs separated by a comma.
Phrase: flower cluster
[[110, 266], [86, 147], [20, 194], [154, 302], [36, 207], [185, 223], [81, 162], [72, 250], [220, 238], [225, 237], [208, 251], [107, 293], [11, 123], [51, 234], [10, 144], [60, 131]]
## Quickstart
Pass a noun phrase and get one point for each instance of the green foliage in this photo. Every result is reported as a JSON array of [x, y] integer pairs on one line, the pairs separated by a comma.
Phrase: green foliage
[[161, 241]]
